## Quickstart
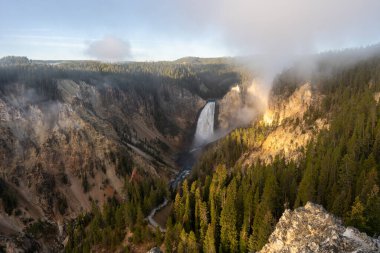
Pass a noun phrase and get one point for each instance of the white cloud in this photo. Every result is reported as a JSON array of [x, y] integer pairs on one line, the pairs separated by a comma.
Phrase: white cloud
[[283, 29], [274, 26], [109, 48]]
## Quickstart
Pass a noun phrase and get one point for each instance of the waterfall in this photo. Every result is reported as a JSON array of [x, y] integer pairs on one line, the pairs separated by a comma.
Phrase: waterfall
[[205, 125], [203, 135]]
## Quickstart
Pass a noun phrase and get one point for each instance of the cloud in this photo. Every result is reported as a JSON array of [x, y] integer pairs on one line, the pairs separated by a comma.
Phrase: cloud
[[283, 29], [109, 48], [297, 25]]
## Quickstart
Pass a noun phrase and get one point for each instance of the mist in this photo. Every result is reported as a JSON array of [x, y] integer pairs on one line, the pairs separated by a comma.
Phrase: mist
[[280, 32], [271, 36]]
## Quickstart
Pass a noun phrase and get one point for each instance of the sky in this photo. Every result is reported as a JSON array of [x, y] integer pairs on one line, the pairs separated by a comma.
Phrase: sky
[[150, 30]]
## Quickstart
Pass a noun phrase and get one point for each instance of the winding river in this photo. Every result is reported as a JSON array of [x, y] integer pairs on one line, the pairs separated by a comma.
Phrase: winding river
[[204, 134]]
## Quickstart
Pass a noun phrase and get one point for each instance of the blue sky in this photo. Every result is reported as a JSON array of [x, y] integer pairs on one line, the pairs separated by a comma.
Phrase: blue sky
[[65, 29], [169, 29]]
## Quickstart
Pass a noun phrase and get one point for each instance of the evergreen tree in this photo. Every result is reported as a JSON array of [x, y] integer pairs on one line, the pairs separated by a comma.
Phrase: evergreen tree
[[306, 190], [169, 236], [209, 242], [228, 221], [356, 217]]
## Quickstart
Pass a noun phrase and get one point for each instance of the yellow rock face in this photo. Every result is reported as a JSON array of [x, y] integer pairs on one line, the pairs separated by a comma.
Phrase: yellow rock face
[[290, 132]]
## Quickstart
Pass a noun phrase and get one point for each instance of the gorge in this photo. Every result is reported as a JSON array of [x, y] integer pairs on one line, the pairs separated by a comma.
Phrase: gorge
[[203, 134], [89, 149], [202, 126], [75, 134]]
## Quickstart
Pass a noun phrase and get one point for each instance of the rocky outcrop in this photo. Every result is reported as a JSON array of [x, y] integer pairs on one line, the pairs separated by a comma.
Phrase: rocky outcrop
[[290, 124], [313, 229], [293, 107]]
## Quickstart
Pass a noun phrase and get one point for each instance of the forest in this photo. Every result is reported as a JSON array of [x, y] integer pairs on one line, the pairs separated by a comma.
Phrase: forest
[[107, 227], [225, 207], [210, 78]]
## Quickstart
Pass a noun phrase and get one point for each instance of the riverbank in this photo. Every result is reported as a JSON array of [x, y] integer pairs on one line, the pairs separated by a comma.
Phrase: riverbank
[[150, 217]]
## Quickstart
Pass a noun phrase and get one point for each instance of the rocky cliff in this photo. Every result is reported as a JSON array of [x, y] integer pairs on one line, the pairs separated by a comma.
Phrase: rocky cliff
[[240, 106], [291, 125], [313, 229], [59, 155], [66, 142]]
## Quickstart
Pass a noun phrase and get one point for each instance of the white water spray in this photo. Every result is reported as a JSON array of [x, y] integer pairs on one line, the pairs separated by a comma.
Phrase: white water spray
[[205, 125]]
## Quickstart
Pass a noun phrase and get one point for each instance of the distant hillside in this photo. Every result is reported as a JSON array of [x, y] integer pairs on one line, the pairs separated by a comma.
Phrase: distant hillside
[[14, 60]]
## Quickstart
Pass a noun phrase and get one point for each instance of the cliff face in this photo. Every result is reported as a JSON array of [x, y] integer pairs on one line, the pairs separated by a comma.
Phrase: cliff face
[[71, 132], [59, 154], [290, 122], [312, 229], [181, 107], [240, 106], [229, 107], [290, 127]]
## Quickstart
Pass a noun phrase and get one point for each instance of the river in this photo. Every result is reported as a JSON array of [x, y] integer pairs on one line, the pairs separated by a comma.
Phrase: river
[[203, 135]]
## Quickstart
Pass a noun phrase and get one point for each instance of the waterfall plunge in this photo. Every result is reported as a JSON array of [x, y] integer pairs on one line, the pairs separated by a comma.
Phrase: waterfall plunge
[[205, 125], [203, 135]]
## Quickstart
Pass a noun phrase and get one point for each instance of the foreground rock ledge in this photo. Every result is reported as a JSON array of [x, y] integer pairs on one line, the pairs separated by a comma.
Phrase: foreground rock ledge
[[313, 229]]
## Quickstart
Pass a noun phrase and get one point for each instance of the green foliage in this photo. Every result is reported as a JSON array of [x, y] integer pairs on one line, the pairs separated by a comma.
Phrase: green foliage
[[85, 184], [355, 217], [339, 169], [232, 208], [228, 150], [63, 178], [150, 82], [209, 241], [7, 197], [14, 60], [169, 236], [227, 207], [106, 228], [228, 220], [125, 164], [40, 229], [61, 203]]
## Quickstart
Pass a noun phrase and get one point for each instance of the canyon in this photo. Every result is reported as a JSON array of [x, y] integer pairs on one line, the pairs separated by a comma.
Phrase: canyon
[[69, 138], [88, 141]]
